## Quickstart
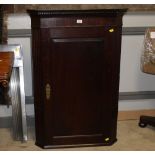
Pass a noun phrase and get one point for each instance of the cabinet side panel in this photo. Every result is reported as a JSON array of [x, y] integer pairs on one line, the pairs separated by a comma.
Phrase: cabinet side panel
[[37, 86]]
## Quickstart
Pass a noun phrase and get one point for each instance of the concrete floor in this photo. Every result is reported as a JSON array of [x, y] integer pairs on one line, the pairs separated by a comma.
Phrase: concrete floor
[[130, 137]]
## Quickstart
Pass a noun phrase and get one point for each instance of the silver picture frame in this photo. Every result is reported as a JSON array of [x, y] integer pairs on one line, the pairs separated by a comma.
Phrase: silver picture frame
[[17, 92]]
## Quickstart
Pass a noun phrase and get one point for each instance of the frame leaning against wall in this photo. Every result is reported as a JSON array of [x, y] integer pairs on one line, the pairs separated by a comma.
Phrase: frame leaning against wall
[[17, 93]]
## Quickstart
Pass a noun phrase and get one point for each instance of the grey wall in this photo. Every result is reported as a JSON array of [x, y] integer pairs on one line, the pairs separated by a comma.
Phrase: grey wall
[[132, 80]]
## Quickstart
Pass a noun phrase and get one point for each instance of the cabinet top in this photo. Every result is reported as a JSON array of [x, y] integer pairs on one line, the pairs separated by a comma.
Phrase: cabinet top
[[98, 12]]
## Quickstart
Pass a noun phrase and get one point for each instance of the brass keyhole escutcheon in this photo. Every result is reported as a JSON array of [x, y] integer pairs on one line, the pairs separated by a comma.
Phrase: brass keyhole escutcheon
[[48, 91]]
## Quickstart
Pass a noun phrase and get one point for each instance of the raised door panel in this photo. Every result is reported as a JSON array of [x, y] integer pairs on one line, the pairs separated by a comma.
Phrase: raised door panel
[[76, 75]]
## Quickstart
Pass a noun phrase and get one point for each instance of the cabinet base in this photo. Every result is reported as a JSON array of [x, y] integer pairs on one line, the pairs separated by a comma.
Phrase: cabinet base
[[75, 145]]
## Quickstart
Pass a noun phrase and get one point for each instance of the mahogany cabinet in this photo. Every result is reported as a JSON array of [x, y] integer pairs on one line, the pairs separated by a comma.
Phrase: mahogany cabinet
[[76, 63]]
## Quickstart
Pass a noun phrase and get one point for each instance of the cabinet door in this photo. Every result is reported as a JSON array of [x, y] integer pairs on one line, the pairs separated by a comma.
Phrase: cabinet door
[[77, 110]]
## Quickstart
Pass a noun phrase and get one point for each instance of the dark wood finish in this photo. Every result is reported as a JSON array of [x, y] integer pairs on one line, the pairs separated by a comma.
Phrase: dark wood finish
[[76, 62], [6, 64]]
